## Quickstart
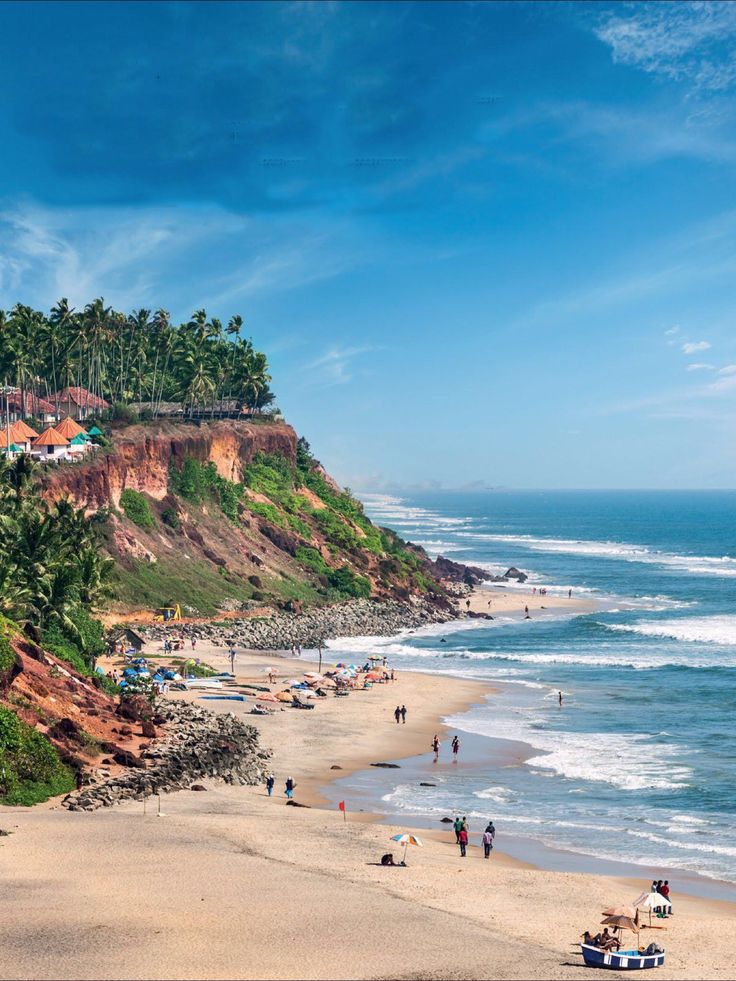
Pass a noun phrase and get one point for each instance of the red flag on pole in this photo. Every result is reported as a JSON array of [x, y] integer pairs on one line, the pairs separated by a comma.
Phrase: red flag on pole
[[341, 806]]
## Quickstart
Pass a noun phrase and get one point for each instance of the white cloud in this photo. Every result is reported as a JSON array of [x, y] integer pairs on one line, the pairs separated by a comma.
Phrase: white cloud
[[693, 42], [690, 347], [672, 331], [701, 367], [729, 369], [335, 367]]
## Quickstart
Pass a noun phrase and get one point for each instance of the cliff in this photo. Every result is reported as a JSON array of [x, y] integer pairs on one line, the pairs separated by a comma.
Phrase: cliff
[[141, 457], [230, 517]]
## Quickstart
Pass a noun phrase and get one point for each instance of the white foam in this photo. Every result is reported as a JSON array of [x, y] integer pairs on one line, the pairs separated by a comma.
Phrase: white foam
[[629, 761], [705, 630], [501, 795], [709, 565]]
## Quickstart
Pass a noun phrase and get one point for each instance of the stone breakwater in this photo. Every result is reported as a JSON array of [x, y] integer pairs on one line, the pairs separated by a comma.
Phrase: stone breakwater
[[198, 744], [282, 631]]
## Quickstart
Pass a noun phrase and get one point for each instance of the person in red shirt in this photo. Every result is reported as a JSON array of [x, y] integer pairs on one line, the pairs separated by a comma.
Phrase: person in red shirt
[[664, 889], [462, 840]]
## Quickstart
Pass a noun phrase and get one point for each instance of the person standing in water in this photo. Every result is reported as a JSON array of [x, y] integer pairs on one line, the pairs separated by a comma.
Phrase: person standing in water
[[455, 748], [436, 747], [559, 696]]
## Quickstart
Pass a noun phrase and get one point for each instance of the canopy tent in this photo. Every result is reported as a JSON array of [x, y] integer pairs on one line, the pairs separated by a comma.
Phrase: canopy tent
[[94, 431]]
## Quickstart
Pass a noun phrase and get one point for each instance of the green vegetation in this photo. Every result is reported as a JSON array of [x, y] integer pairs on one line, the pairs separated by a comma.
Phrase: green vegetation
[[196, 482], [347, 583], [191, 582], [268, 511], [30, 768], [137, 508], [51, 571], [138, 357]]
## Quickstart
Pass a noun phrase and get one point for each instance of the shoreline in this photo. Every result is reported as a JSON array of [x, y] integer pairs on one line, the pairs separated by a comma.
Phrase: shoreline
[[238, 885]]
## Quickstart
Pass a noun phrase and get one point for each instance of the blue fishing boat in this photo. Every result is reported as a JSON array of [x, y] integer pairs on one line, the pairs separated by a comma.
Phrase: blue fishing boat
[[620, 960]]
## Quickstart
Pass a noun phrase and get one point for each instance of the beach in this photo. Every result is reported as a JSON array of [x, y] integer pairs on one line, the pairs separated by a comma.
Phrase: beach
[[229, 883]]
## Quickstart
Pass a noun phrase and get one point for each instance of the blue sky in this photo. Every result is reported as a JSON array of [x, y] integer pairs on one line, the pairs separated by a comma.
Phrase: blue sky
[[482, 244]]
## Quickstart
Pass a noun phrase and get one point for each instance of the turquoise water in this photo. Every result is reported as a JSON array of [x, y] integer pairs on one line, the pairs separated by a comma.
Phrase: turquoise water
[[639, 763]]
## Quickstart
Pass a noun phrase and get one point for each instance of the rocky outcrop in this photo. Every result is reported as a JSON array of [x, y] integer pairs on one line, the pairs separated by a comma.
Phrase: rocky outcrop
[[281, 631], [141, 455], [199, 744]]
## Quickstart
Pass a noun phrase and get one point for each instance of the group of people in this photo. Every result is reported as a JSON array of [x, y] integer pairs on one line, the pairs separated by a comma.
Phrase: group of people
[[400, 714], [605, 940], [462, 836], [663, 888], [288, 786], [436, 747]]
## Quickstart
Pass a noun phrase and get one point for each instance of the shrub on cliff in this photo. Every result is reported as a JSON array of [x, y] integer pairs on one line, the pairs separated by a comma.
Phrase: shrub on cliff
[[347, 583], [30, 768], [137, 508]]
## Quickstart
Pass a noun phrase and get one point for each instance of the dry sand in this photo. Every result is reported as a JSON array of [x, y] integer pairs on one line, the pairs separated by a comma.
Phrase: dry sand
[[232, 884]]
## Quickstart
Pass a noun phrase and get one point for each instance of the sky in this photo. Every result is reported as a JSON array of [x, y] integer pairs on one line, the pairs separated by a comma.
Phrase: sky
[[483, 245]]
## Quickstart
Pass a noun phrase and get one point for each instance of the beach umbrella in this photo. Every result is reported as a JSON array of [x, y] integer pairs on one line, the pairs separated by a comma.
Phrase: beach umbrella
[[629, 911], [622, 922], [374, 657], [653, 901], [406, 839]]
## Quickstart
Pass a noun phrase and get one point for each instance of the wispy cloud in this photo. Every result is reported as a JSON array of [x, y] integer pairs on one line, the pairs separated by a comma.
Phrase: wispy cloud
[[337, 365], [701, 367], [691, 347], [694, 42]]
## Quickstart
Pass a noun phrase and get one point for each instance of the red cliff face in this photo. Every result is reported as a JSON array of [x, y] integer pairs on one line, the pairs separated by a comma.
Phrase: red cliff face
[[141, 455]]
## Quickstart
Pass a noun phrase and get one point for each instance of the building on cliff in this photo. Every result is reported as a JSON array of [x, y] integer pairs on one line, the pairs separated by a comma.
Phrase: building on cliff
[[22, 405], [78, 403], [50, 445]]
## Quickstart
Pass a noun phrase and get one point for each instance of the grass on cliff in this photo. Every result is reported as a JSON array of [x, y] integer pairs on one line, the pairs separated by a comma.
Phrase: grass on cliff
[[190, 582], [30, 768]]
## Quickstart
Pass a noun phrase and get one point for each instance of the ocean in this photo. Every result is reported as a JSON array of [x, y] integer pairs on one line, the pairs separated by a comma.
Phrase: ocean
[[639, 764]]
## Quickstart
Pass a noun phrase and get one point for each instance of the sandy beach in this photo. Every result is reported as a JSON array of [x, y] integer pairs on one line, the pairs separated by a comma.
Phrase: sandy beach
[[229, 883]]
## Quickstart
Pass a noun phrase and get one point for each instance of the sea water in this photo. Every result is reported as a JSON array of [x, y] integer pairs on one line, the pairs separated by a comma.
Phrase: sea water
[[638, 764]]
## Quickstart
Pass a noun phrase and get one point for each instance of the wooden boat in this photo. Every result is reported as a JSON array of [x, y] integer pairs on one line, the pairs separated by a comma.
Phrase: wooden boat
[[620, 960]]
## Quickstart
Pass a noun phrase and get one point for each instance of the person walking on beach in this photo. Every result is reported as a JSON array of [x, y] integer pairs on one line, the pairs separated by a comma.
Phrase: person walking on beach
[[487, 843], [289, 787], [455, 748], [397, 714], [403, 714], [466, 826], [231, 655], [436, 747], [458, 826], [270, 781], [462, 840]]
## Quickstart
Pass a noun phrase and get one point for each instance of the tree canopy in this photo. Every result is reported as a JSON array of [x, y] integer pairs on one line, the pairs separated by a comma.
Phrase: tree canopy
[[140, 356]]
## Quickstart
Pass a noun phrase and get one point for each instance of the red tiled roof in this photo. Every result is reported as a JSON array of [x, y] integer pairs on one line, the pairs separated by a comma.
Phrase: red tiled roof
[[50, 437], [68, 428], [31, 403], [21, 430], [17, 434], [81, 397]]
